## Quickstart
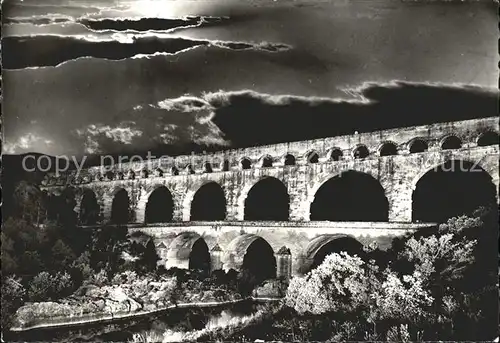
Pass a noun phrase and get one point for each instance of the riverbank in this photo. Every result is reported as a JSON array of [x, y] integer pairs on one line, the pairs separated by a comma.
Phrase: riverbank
[[108, 318], [126, 295]]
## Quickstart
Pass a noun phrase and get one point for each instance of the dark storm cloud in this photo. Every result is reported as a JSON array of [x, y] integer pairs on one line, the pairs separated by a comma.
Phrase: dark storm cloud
[[249, 118], [148, 24], [37, 20], [25, 9], [42, 51]]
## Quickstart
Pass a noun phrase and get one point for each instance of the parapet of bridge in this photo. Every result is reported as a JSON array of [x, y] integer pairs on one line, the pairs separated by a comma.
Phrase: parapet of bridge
[[287, 190]]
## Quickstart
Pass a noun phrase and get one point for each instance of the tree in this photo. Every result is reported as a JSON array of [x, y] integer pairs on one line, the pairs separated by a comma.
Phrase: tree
[[62, 256], [12, 295]]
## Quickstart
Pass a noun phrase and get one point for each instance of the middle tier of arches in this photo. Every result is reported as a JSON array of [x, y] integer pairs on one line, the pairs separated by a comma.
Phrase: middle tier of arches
[[349, 195]]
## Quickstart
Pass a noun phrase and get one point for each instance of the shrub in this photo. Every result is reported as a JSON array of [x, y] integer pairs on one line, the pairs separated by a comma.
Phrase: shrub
[[338, 284], [45, 286], [99, 279], [40, 287], [403, 299]]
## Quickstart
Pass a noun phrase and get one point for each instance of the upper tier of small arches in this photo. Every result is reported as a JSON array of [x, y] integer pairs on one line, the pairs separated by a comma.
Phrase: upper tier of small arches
[[281, 156]]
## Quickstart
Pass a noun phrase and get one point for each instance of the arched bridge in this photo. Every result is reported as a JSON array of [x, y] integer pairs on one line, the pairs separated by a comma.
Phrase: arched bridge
[[369, 183]]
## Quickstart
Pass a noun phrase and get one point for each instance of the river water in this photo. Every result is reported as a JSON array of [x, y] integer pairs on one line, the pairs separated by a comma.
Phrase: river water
[[170, 325]]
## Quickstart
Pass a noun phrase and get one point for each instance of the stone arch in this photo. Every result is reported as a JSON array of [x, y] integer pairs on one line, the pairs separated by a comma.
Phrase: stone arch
[[312, 156], [451, 142], [130, 175], [418, 145], [110, 175], [336, 154], [361, 151], [160, 206], [188, 250], [268, 199], [208, 167], [324, 245], [452, 188], [245, 163], [144, 173], [190, 170], [267, 161], [253, 254], [208, 203], [120, 207], [289, 160], [487, 138], [388, 149], [225, 165], [350, 196], [174, 171], [89, 208]]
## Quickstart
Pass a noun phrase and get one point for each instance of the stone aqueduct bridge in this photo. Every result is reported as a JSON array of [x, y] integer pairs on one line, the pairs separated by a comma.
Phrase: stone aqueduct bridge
[[297, 198]]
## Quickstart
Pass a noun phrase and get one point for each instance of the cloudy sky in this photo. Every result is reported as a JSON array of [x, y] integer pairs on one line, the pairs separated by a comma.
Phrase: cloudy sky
[[113, 76]]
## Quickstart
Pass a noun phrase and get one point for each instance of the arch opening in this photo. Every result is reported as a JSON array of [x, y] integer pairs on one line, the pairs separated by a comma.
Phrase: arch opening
[[199, 257], [289, 160], [120, 208], [488, 138], [259, 263], [267, 162], [246, 164], [325, 246], [190, 169], [418, 145], [452, 189], [312, 157], [361, 152], [208, 167], [225, 166], [388, 149], [109, 175], [451, 142], [350, 196], [267, 200], [89, 208], [209, 203], [160, 206], [336, 155], [175, 171]]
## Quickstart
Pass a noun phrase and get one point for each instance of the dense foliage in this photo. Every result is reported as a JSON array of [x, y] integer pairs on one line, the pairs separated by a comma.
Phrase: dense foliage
[[439, 286], [50, 261]]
